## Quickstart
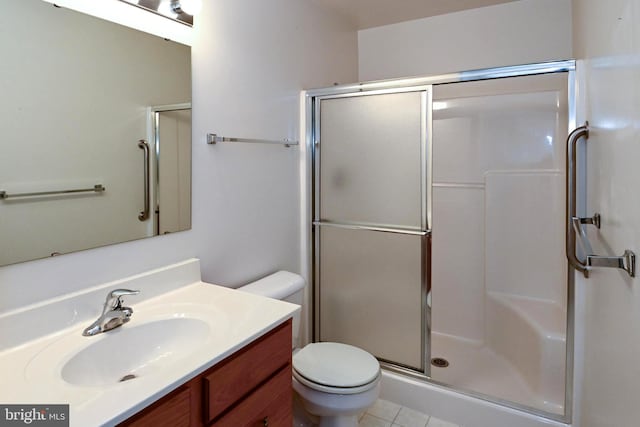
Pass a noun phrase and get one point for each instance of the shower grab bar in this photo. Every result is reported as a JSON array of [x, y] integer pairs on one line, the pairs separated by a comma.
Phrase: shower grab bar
[[572, 141], [144, 146], [626, 261], [585, 244], [372, 228], [213, 138], [98, 188], [574, 226], [594, 220]]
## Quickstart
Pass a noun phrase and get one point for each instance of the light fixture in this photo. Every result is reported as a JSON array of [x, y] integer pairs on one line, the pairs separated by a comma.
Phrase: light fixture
[[178, 10], [189, 7]]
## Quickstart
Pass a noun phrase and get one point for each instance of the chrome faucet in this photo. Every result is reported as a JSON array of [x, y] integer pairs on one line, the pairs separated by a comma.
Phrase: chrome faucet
[[113, 313]]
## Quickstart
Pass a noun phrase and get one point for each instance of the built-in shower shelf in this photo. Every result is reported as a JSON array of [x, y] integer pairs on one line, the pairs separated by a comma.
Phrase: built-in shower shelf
[[546, 317], [530, 334]]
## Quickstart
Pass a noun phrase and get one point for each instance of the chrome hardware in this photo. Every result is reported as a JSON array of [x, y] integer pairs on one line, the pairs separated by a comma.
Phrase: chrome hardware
[[594, 220], [626, 261], [144, 215], [113, 313], [572, 141], [212, 138], [373, 228], [98, 188], [265, 422]]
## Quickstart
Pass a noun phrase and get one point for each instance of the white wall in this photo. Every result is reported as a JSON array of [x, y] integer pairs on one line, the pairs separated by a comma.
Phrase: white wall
[[607, 36], [253, 58], [517, 32], [250, 60]]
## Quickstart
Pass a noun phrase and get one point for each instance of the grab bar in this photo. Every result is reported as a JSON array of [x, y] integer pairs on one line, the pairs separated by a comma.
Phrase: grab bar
[[98, 188], [627, 261], [576, 224], [144, 215], [212, 138], [572, 141]]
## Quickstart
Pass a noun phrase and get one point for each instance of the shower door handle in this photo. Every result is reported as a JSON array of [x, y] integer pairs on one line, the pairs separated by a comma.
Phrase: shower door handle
[[571, 197], [144, 215]]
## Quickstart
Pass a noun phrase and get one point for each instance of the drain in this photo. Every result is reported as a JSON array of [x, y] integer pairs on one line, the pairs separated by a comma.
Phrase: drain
[[127, 378], [439, 362]]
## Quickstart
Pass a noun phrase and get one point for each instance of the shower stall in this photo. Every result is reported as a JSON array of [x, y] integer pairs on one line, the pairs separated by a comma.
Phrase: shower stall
[[439, 227]]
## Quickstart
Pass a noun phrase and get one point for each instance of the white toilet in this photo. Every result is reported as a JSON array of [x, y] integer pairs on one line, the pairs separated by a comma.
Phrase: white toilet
[[335, 382]]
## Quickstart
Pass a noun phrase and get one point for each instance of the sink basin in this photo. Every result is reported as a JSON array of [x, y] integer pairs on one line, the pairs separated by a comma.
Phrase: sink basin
[[128, 353], [125, 353]]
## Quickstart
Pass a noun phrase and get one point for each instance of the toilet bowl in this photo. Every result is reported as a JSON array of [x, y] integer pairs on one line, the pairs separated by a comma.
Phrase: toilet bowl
[[335, 382]]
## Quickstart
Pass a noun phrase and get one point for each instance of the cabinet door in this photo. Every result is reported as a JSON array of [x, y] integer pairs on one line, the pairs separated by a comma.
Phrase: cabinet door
[[171, 411], [269, 405], [246, 370]]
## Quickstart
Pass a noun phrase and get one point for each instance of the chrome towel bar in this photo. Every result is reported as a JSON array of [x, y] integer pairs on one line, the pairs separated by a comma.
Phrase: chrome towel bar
[[213, 138], [574, 225], [98, 188]]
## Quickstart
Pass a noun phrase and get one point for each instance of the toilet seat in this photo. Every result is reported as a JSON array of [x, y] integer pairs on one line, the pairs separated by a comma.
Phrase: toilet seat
[[336, 368]]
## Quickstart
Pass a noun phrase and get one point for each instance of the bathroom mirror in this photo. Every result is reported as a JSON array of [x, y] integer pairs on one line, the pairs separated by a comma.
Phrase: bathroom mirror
[[79, 94]]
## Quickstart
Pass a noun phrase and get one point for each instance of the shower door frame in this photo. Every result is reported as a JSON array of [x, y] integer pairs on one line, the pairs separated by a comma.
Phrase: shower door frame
[[311, 102], [424, 232]]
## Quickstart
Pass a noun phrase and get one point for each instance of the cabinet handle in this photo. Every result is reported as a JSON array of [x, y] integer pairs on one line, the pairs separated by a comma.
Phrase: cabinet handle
[[265, 422]]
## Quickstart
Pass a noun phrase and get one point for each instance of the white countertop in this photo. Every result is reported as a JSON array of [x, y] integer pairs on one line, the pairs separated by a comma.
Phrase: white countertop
[[31, 371]]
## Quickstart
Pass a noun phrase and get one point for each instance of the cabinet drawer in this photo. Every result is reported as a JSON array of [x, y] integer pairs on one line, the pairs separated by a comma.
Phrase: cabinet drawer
[[241, 373], [270, 405], [171, 411]]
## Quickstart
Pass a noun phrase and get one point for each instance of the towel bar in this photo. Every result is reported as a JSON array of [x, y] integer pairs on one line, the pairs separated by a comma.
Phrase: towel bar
[[213, 138], [98, 188]]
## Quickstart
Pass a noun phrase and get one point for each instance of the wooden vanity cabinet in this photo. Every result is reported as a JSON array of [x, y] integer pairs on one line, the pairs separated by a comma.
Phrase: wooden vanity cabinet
[[252, 387]]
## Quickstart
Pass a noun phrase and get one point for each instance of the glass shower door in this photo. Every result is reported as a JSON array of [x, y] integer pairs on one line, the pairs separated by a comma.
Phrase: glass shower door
[[371, 228], [499, 319]]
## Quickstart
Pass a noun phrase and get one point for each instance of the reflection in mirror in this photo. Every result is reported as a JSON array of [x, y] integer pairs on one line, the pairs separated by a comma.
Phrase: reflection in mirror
[[178, 10], [172, 126], [78, 93]]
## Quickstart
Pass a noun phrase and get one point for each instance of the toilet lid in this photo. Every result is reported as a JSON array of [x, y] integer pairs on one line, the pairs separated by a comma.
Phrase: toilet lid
[[336, 365]]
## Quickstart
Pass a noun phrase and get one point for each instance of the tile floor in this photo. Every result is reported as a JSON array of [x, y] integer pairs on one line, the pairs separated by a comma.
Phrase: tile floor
[[388, 414]]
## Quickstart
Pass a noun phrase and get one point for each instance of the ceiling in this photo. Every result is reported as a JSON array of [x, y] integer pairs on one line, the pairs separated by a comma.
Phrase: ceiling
[[374, 13]]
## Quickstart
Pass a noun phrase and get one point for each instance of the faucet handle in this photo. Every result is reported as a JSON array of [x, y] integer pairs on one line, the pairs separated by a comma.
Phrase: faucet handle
[[114, 299]]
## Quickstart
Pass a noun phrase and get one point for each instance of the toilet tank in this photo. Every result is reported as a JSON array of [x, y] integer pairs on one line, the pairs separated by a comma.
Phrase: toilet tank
[[284, 286]]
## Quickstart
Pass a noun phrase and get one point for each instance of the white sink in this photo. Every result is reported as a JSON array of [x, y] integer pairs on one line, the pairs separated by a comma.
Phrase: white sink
[[129, 353], [174, 335]]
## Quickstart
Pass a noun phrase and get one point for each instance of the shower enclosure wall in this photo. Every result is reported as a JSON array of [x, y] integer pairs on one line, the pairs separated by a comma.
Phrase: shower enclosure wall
[[439, 229]]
